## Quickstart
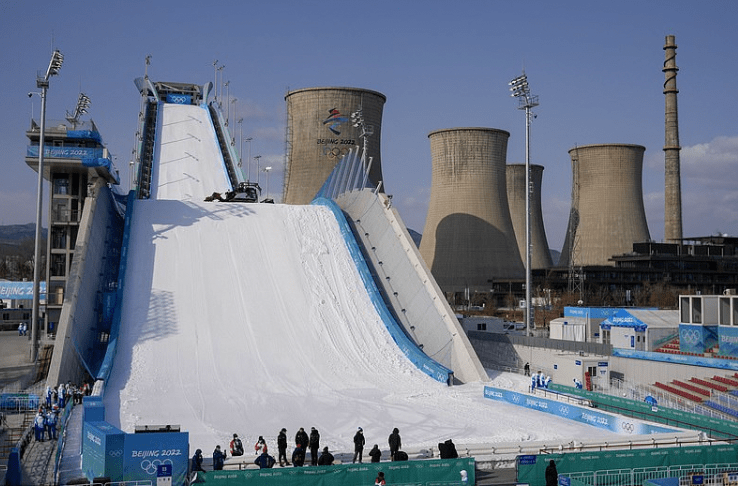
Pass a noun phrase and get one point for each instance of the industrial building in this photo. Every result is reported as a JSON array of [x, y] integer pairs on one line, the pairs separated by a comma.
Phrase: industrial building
[[607, 213], [540, 256], [469, 240], [320, 130]]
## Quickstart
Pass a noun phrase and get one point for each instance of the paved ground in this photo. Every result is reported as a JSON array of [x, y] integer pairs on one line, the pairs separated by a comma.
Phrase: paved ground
[[15, 357]]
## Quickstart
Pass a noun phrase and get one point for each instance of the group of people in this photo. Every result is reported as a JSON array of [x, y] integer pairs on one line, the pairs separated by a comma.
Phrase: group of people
[[46, 419], [45, 423], [303, 443], [62, 394], [539, 380], [23, 329]]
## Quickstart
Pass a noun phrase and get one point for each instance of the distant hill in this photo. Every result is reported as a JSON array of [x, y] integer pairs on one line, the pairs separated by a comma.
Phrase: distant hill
[[14, 234]]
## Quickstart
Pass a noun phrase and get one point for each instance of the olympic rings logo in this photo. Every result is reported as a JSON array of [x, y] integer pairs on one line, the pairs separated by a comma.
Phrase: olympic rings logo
[[690, 336], [115, 453], [628, 427], [178, 99], [150, 467], [334, 152]]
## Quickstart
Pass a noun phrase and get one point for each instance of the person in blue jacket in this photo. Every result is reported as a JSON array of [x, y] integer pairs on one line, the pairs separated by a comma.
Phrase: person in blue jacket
[[218, 459], [39, 426], [265, 461]]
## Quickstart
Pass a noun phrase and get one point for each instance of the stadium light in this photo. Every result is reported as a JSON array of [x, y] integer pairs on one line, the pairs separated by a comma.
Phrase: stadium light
[[258, 166], [526, 101], [55, 64], [267, 170]]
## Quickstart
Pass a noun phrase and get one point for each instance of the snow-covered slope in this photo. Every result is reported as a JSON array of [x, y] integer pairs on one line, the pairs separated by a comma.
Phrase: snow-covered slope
[[248, 318]]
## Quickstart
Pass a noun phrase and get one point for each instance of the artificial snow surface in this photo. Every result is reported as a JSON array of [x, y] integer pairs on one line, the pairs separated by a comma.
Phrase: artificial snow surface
[[246, 318]]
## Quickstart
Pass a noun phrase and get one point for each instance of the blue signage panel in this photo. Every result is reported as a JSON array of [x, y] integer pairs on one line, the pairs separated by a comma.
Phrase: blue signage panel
[[144, 456], [20, 290], [728, 339], [102, 446]]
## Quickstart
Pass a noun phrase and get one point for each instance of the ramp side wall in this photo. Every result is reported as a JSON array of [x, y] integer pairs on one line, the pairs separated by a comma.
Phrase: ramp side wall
[[78, 316], [411, 290]]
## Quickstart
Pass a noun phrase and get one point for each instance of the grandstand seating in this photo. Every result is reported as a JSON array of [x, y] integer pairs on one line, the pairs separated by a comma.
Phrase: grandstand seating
[[692, 388], [678, 391], [709, 384], [721, 408], [727, 381]]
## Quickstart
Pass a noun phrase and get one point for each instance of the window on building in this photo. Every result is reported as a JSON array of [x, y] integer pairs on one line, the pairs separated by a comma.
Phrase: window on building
[[481, 326]]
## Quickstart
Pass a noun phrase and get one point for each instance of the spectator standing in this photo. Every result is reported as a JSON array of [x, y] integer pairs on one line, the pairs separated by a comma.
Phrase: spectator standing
[[314, 442], [51, 420], [39, 424], [236, 446], [218, 459], [197, 461], [301, 438], [326, 458], [359, 442], [282, 447], [527, 369], [552, 475], [395, 442], [375, 453]]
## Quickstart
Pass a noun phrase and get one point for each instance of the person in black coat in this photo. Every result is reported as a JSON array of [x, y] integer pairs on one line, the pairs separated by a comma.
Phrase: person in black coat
[[359, 442], [375, 453], [282, 447], [326, 458], [314, 443], [552, 476], [395, 442], [197, 461], [218, 459], [301, 438], [298, 456]]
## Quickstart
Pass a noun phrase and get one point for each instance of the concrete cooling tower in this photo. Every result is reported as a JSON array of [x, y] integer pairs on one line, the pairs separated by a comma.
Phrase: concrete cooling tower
[[607, 214], [320, 132], [540, 256], [468, 240]]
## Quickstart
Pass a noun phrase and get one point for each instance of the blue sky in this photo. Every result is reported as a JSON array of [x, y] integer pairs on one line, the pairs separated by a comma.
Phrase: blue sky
[[596, 67]]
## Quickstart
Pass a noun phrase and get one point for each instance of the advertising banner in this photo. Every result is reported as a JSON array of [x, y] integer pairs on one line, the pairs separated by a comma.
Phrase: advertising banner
[[696, 339], [589, 416], [20, 290], [416, 473], [144, 454], [102, 447], [728, 339], [592, 461]]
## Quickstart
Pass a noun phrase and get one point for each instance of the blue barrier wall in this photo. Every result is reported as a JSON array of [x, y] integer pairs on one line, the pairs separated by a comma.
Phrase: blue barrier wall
[[585, 415], [107, 362], [413, 353], [702, 361]]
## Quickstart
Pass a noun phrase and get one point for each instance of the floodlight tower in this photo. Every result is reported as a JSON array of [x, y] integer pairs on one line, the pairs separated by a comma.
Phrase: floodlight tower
[[57, 59], [526, 101]]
